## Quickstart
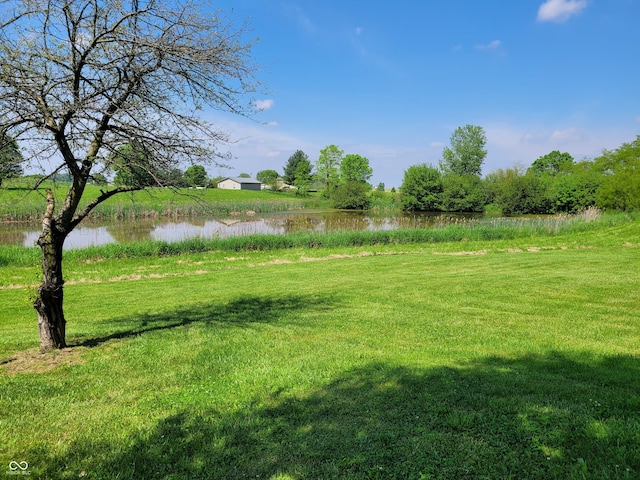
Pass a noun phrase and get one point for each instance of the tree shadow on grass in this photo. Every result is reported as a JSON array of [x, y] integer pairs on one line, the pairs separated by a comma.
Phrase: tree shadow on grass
[[241, 312], [535, 417]]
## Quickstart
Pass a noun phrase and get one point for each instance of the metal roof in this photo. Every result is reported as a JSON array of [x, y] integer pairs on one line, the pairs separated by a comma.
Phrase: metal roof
[[241, 180]]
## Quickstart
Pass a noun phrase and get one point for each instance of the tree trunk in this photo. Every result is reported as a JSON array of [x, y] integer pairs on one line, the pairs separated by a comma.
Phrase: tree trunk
[[51, 322]]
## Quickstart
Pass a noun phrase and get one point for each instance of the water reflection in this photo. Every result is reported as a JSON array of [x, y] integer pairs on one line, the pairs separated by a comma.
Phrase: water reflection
[[173, 231]]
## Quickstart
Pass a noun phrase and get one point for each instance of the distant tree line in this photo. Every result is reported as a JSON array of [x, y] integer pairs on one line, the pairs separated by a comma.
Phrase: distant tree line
[[342, 178], [554, 183]]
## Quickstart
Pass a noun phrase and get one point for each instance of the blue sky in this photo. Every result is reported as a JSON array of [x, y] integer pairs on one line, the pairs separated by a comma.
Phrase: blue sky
[[392, 80]]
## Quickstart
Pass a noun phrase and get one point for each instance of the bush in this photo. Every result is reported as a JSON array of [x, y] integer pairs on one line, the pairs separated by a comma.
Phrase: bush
[[462, 193], [421, 188], [352, 196]]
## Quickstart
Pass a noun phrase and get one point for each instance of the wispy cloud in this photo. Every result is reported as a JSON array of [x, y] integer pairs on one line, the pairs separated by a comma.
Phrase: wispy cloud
[[566, 135], [264, 104], [301, 18], [490, 46], [560, 11]]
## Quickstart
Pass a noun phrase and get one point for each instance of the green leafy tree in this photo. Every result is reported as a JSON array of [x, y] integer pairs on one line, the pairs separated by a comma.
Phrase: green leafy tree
[[10, 158], [380, 187], [552, 164], [195, 176], [421, 188], [492, 182], [328, 166], [576, 190], [79, 79], [303, 177], [244, 175], [290, 168], [462, 193], [466, 153], [352, 196], [174, 177], [521, 194], [355, 168], [620, 169], [268, 177]]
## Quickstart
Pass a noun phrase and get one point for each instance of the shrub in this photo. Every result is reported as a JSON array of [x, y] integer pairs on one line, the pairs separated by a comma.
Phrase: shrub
[[352, 196], [421, 188]]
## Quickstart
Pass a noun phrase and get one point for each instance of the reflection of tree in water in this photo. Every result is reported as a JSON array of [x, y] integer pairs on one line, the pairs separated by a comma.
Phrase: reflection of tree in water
[[138, 230], [295, 223], [13, 234], [347, 221], [126, 231]]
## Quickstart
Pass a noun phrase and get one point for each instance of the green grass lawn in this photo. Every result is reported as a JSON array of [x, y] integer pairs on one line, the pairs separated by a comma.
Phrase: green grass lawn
[[505, 359]]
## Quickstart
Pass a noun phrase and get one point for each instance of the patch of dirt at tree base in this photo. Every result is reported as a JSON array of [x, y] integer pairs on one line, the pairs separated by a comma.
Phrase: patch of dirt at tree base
[[34, 361]]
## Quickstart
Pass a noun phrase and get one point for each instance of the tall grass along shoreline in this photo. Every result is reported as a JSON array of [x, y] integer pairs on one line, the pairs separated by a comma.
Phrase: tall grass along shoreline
[[456, 230], [23, 204]]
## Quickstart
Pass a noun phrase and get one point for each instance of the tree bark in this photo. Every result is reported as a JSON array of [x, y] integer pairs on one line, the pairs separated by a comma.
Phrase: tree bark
[[49, 304]]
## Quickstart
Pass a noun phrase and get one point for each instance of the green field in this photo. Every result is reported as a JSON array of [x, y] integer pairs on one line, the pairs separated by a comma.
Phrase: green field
[[504, 358], [20, 203]]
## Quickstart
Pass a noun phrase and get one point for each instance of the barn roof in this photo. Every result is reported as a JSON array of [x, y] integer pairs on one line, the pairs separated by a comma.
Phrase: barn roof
[[241, 180]]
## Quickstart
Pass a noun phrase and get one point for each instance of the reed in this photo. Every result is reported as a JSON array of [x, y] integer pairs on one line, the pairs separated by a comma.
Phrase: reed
[[447, 230], [23, 204]]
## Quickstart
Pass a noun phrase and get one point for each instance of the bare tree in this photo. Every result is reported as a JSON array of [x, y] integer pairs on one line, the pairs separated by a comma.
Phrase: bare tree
[[81, 78]]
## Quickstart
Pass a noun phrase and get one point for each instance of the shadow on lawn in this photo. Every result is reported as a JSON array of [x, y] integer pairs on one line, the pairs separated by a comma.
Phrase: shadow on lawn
[[241, 312], [536, 417]]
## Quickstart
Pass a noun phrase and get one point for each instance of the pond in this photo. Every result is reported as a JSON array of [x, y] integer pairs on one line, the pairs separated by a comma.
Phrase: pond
[[92, 233]]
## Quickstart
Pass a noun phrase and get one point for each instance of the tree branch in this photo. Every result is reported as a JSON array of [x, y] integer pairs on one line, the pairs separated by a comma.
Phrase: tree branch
[[79, 216]]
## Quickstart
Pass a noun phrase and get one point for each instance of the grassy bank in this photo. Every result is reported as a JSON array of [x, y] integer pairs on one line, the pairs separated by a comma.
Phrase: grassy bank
[[442, 231], [481, 358], [19, 203]]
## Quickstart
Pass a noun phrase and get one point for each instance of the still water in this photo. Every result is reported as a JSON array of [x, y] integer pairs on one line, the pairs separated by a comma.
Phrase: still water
[[91, 233]]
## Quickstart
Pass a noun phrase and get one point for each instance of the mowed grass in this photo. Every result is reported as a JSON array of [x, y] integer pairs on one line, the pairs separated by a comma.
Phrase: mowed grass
[[506, 359]]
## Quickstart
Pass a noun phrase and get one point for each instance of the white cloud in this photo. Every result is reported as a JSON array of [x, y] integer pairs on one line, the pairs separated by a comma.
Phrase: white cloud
[[437, 145], [567, 135], [510, 144], [264, 104], [490, 46], [359, 31], [560, 11]]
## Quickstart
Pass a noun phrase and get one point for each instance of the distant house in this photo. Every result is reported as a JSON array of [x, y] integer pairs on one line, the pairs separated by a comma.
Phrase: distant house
[[239, 183]]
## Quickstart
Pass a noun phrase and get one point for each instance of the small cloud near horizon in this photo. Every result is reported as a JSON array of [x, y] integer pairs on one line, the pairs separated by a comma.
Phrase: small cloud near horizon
[[559, 11], [437, 145], [264, 104]]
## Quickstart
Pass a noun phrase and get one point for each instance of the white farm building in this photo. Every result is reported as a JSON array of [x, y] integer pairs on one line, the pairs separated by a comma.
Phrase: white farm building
[[239, 183]]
